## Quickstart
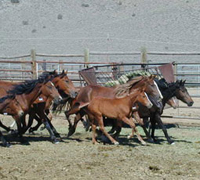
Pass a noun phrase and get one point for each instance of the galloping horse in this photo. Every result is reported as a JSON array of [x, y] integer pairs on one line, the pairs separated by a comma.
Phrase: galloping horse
[[27, 92], [178, 90], [40, 108], [10, 106], [117, 108], [87, 93], [170, 90]]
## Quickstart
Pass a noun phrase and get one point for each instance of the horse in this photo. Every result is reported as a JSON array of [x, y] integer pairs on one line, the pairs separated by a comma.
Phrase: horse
[[66, 89], [40, 107], [178, 90], [117, 108], [168, 90], [27, 92], [10, 106], [87, 93]]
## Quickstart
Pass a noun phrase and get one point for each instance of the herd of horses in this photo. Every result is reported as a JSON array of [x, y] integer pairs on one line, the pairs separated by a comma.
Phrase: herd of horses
[[141, 99]]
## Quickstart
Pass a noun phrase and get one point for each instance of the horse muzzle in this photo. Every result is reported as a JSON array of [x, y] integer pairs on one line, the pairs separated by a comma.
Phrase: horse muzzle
[[190, 103], [21, 113], [58, 100], [73, 94], [150, 105]]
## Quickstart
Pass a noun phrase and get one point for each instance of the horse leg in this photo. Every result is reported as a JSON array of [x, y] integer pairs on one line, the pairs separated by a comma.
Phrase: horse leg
[[44, 119], [131, 123], [5, 143], [72, 129], [52, 136], [73, 110], [142, 124], [39, 122], [20, 130], [102, 128], [94, 140], [53, 128], [86, 123], [5, 127], [118, 128], [161, 125], [152, 127]]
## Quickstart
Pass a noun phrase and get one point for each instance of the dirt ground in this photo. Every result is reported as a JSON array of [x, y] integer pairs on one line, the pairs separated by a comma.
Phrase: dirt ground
[[77, 158]]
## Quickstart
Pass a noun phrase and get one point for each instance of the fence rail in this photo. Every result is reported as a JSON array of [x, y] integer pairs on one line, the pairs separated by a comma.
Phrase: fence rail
[[29, 66]]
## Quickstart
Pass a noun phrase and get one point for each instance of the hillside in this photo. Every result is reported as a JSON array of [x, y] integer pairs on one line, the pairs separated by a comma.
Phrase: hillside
[[69, 26]]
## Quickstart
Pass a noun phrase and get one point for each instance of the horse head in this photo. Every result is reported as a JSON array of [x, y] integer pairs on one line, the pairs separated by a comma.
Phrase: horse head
[[182, 93], [48, 89], [65, 85]]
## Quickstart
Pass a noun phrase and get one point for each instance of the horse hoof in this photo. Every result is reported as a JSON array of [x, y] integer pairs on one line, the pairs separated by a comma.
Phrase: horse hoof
[[150, 140], [25, 143], [144, 143], [7, 144], [173, 143], [116, 143], [129, 137], [71, 131], [56, 141]]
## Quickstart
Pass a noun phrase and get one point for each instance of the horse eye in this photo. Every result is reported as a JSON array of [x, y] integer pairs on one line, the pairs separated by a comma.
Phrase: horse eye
[[67, 81]]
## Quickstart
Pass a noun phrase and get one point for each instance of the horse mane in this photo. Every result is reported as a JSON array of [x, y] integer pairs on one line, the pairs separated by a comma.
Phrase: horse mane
[[6, 97], [124, 89], [27, 86], [45, 75]]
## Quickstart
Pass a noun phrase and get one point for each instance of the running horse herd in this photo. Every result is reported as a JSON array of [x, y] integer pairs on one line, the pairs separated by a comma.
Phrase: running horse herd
[[142, 100]]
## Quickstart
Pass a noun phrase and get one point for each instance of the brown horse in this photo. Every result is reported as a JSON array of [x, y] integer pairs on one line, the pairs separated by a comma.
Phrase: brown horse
[[116, 108], [41, 107], [27, 92], [87, 93], [10, 106]]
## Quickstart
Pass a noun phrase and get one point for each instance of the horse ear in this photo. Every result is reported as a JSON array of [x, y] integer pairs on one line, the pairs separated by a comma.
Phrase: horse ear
[[184, 82], [55, 72]]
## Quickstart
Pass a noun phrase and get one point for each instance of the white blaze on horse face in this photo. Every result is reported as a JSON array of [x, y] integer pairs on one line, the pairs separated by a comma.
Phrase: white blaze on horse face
[[150, 104], [52, 84], [174, 100], [158, 90]]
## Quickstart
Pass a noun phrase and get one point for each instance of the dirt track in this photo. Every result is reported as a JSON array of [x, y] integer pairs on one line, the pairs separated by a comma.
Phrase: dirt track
[[77, 158]]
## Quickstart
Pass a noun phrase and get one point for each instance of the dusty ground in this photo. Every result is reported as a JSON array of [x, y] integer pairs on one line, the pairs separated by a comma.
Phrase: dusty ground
[[78, 158]]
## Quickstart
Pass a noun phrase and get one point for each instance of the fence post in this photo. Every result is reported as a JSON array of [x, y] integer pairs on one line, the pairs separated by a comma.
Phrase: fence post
[[86, 58], [143, 57], [34, 67]]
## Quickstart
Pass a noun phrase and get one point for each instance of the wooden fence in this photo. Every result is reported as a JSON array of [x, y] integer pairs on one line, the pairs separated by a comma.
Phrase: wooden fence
[[29, 66]]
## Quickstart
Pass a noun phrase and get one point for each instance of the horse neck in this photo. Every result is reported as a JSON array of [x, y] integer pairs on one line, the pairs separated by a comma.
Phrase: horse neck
[[132, 97], [139, 84], [169, 93], [26, 100], [4, 105]]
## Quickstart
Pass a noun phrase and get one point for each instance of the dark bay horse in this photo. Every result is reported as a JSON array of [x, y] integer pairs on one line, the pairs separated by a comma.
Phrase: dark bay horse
[[41, 108], [87, 93], [27, 92], [116, 108], [10, 106], [168, 90]]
